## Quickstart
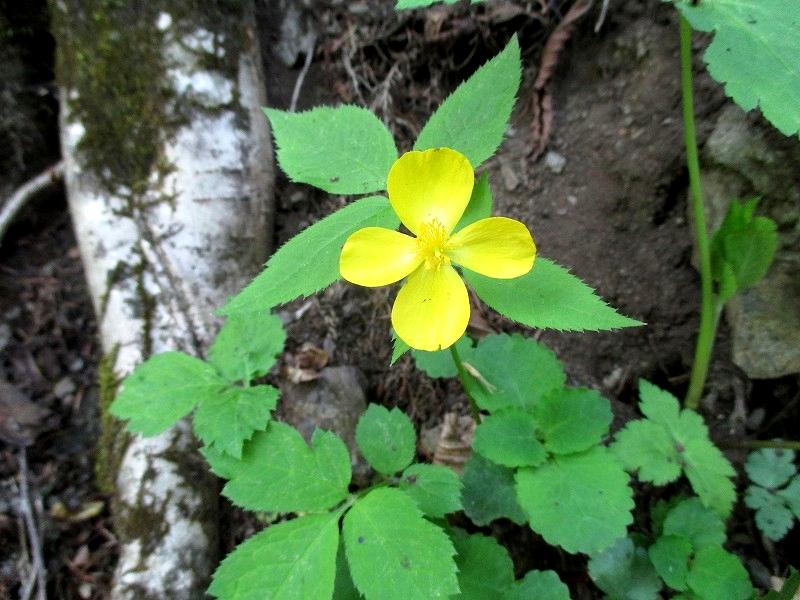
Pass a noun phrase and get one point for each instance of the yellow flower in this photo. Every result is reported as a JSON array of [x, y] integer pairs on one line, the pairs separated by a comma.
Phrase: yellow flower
[[429, 191]]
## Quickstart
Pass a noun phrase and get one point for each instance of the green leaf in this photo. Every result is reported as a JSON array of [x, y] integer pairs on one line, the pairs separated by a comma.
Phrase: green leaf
[[247, 347], [573, 419], [474, 118], [440, 363], [695, 522], [581, 502], [624, 572], [163, 389], [484, 568], [716, 573], [541, 585], [342, 150], [509, 438], [480, 203], [548, 297], [791, 494], [279, 472], [394, 553], [277, 562], [790, 587], [489, 492], [755, 53], [495, 382], [770, 467], [773, 517], [227, 419], [688, 445], [399, 347], [386, 439], [670, 556], [343, 586], [407, 4], [309, 261], [435, 489]]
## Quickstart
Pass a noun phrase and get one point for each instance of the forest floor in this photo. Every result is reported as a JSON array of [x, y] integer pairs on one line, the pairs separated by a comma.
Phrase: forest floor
[[607, 198]]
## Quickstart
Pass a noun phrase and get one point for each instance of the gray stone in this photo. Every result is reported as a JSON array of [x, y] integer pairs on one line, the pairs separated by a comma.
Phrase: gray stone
[[555, 162], [64, 388], [745, 157]]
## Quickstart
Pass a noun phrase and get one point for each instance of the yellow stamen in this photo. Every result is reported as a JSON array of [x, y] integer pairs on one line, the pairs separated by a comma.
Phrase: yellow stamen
[[432, 244]]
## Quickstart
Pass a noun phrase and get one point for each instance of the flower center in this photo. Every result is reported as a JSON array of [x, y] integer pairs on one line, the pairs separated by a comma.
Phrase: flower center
[[432, 244]]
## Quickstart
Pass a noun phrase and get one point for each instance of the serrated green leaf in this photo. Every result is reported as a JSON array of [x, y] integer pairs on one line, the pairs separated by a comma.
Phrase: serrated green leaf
[[163, 389], [485, 570], [386, 439], [221, 463], [648, 448], [435, 489], [408, 4], [495, 382], [755, 53], [716, 573], [670, 556], [790, 587], [695, 522], [229, 418], [394, 553], [770, 467], [541, 585], [309, 262], [548, 297], [440, 363], [277, 563], [508, 438], [279, 472], [343, 586], [773, 517], [247, 347], [480, 203], [351, 153], [399, 347], [624, 572], [474, 118], [489, 492], [659, 512], [581, 502], [572, 419], [791, 494]]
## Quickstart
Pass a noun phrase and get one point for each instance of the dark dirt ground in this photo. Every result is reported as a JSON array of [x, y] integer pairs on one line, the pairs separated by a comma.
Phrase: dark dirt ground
[[615, 215]]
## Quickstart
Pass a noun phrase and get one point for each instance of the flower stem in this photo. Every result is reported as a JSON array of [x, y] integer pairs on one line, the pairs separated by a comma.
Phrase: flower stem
[[708, 312], [747, 444], [462, 376]]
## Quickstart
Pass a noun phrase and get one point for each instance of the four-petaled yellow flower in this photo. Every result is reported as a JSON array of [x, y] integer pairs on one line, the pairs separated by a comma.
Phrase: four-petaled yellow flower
[[429, 191]]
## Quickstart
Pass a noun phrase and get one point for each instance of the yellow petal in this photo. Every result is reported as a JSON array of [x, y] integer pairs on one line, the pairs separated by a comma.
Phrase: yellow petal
[[495, 247], [434, 184], [375, 256], [431, 311]]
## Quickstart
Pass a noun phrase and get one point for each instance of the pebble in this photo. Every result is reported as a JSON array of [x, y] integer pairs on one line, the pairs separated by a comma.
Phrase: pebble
[[555, 162], [64, 388]]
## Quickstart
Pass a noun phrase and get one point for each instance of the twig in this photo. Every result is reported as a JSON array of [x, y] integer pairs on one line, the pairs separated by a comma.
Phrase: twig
[[755, 444], [602, 18], [33, 533], [28, 190], [303, 72]]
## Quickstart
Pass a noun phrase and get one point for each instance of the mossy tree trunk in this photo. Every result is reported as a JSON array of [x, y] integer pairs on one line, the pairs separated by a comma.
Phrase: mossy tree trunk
[[169, 178]]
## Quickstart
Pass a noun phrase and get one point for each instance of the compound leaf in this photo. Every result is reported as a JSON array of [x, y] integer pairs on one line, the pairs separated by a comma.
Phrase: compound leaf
[[277, 562], [309, 261], [279, 472], [542, 585], [697, 523], [489, 492], [648, 448], [581, 502], [474, 118], [163, 389], [436, 489], [509, 438], [791, 494], [394, 553], [670, 556], [770, 467], [495, 382], [247, 347], [351, 153], [572, 419], [484, 568], [624, 572], [386, 439], [755, 53], [227, 419], [773, 517], [716, 573], [548, 297]]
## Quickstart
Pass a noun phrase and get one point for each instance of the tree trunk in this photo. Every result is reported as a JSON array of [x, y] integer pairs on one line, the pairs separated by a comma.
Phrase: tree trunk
[[169, 178]]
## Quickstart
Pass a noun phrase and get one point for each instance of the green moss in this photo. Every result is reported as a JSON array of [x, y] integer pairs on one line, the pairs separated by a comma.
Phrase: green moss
[[113, 437]]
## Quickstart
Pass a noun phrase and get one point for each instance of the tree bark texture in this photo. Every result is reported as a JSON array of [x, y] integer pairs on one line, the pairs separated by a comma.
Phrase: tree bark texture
[[169, 174]]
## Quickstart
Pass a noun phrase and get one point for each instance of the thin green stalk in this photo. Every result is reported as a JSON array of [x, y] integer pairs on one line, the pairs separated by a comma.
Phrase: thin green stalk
[[754, 444], [462, 376], [708, 318]]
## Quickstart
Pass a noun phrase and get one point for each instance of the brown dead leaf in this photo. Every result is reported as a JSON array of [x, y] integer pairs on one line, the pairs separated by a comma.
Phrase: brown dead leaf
[[88, 510], [20, 419], [454, 448]]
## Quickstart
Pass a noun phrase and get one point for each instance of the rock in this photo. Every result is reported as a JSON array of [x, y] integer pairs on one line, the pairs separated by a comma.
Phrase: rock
[[64, 388], [746, 157], [555, 162], [334, 401]]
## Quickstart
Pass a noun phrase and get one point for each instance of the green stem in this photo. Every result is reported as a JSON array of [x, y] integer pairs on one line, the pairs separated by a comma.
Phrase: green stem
[[748, 444], [708, 312], [462, 376]]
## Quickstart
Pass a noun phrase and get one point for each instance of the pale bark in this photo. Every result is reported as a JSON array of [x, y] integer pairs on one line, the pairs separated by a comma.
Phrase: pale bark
[[158, 263]]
